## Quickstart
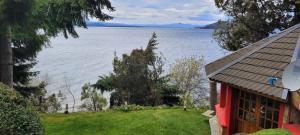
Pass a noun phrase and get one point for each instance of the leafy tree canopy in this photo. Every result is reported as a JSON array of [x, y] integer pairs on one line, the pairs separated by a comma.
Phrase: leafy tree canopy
[[252, 20]]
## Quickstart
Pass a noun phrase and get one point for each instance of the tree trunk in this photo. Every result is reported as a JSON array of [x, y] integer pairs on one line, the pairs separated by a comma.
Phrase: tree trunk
[[297, 11], [6, 62]]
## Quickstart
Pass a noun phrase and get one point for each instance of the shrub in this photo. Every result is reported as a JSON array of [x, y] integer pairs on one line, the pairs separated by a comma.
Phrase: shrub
[[17, 116], [134, 107], [129, 108]]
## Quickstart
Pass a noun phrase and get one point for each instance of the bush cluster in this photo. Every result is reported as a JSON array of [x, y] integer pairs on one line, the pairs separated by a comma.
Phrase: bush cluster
[[134, 107], [17, 116]]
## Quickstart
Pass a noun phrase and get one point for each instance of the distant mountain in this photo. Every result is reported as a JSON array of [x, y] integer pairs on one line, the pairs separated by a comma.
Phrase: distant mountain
[[212, 26], [105, 24], [173, 25]]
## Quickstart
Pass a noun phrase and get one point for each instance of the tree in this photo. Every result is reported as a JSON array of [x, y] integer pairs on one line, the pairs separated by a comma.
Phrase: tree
[[67, 88], [92, 100], [137, 76], [52, 103], [46, 103], [252, 20], [187, 74], [28, 24], [104, 83], [170, 95]]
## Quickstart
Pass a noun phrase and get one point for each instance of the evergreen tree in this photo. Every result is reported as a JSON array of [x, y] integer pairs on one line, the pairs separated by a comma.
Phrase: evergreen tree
[[137, 77], [27, 25], [252, 20]]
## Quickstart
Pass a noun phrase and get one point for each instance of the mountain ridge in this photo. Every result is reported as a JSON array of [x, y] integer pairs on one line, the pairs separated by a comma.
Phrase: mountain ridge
[[171, 25]]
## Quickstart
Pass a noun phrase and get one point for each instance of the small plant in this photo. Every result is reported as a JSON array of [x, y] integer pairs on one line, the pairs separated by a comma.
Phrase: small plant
[[92, 99], [128, 108]]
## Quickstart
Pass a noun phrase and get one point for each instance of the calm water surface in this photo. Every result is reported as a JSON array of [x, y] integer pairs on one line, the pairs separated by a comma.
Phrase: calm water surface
[[82, 60]]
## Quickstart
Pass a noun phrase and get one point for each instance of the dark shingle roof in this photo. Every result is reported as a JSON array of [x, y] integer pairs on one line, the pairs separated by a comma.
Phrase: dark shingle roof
[[251, 67]]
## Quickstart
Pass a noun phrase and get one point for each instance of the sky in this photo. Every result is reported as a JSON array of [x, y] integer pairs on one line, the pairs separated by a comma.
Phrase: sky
[[198, 12]]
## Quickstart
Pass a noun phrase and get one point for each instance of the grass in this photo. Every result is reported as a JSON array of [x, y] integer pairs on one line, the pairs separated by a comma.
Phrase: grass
[[272, 132], [146, 122]]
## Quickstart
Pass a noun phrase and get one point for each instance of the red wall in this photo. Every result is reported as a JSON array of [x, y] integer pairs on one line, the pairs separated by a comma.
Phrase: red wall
[[226, 110], [281, 112]]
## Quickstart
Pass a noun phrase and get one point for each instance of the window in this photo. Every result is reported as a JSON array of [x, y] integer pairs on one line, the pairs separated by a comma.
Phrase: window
[[247, 107], [258, 111], [269, 113]]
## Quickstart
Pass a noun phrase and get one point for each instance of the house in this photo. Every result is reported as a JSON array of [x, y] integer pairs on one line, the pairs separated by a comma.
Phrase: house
[[252, 96]]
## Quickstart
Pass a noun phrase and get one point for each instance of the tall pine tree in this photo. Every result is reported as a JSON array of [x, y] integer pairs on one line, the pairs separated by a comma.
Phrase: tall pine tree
[[137, 77]]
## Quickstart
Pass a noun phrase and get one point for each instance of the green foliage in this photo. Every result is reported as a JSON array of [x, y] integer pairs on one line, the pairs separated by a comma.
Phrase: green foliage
[[14, 11], [52, 104], [273, 132], [128, 108], [145, 122], [188, 75], [134, 107], [44, 103], [251, 20], [104, 83], [33, 22], [92, 100], [137, 77], [17, 116], [170, 94]]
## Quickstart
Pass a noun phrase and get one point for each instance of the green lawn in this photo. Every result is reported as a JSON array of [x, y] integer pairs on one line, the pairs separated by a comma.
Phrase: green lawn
[[146, 122]]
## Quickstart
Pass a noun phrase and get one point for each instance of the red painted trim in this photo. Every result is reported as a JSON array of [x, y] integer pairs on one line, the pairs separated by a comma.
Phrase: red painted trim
[[228, 109], [280, 117], [228, 102], [224, 110]]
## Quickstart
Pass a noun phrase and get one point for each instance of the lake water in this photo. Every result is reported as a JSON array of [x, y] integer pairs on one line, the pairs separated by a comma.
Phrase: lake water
[[78, 61]]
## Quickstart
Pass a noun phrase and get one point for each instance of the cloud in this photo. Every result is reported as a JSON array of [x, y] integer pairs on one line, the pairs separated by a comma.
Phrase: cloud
[[165, 11]]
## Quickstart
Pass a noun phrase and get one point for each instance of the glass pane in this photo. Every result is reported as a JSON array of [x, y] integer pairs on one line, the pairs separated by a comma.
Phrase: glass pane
[[246, 117], [253, 98], [276, 104], [262, 111], [262, 122], [247, 105], [252, 119], [241, 103], [268, 124], [241, 114], [276, 115], [253, 105], [263, 100], [270, 103], [269, 114], [247, 96], [242, 94]]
